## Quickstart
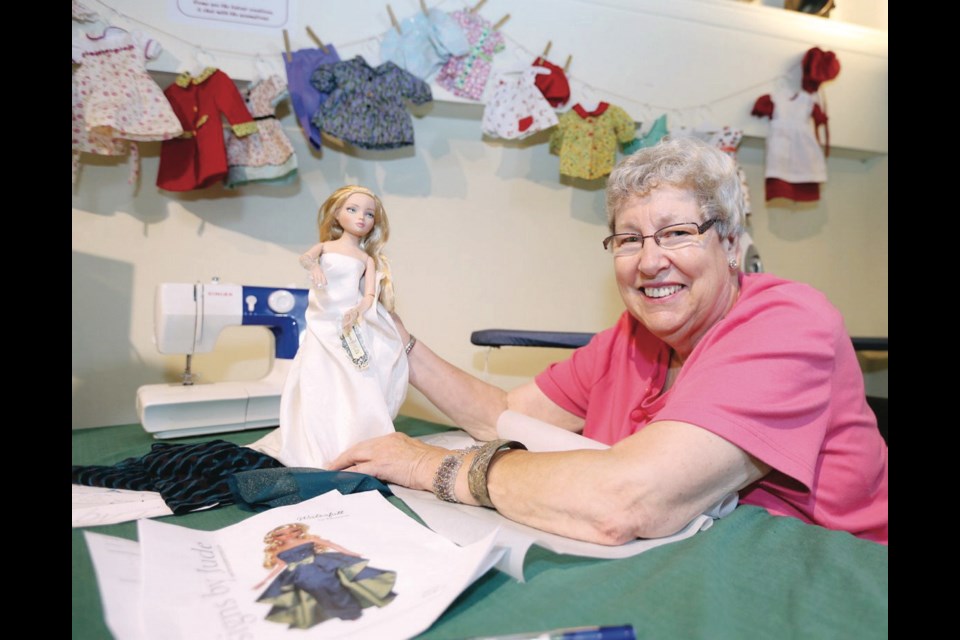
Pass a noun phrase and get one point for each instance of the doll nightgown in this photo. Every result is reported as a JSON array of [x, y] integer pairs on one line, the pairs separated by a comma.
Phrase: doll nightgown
[[267, 155], [327, 403]]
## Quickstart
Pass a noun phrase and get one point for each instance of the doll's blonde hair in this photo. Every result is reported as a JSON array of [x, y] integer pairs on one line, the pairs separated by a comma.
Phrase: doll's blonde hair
[[270, 552], [372, 244]]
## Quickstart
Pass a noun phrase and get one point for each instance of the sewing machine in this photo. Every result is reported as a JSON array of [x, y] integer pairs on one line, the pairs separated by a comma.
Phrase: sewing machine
[[188, 318]]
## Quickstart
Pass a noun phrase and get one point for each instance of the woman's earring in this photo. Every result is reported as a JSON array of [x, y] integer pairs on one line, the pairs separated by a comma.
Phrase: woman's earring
[[733, 264]]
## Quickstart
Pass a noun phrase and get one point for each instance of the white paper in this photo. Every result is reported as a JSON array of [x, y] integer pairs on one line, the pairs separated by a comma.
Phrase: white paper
[[116, 563], [200, 584], [463, 524], [102, 505]]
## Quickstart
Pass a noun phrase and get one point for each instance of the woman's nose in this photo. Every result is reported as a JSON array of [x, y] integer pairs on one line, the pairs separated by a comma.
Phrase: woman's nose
[[653, 258]]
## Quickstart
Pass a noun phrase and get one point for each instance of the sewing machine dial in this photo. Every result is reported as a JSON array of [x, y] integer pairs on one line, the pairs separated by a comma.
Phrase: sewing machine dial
[[281, 301]]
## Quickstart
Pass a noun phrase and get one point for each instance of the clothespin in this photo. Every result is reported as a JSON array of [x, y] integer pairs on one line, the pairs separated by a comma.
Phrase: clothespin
[[547, 50], [393, 20], [286, 45], [317, 39], [423, 7], [566, 65], [477, 6], [501, 21]]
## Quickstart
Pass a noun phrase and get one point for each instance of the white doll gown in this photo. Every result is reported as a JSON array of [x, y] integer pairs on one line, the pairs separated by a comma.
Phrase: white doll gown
[[328, 404]]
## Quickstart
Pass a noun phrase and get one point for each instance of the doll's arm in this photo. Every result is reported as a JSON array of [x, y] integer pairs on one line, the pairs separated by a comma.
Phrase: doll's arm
[[280, 565], [322, 544], [311, 262], [369, 295]]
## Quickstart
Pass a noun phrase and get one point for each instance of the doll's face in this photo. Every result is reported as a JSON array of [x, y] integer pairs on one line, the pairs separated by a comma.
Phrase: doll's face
[[357, 215]]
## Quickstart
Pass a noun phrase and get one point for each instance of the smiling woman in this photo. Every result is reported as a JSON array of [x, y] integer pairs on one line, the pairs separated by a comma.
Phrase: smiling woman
[[712, 381]]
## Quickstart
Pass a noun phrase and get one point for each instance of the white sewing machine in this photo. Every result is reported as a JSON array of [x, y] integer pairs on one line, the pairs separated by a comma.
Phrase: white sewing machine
[[188, 318]]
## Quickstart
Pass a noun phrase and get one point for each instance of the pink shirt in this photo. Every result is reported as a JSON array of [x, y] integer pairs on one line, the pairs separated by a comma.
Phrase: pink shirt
[[778, 377]]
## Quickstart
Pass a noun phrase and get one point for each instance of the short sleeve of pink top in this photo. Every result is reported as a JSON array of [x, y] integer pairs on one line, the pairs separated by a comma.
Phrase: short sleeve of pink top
[[778, 377]]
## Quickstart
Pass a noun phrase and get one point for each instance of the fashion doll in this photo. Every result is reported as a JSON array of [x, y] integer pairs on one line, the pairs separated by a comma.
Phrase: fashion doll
[[349, 377], [314, 580]]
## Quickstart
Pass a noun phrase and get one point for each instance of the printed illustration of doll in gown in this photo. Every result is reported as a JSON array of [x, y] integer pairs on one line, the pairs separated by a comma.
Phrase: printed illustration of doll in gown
[[350, 374], [314, 580]]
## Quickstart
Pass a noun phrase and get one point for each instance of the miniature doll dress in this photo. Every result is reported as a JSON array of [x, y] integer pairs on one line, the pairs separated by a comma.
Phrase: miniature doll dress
[[554, 84], [466, 75], [198, 158], [516, 108], [728, 140], [317, 586], [268, 155], [424, 43], [587, 141], [366, 106], [304, 97], [327, 403], [795, 163], [115, 101]]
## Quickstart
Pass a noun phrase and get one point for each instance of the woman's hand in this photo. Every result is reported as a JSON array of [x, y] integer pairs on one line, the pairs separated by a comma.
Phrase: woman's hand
[[396, 458]]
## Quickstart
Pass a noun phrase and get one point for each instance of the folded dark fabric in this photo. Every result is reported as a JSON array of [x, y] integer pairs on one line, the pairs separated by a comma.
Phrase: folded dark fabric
[[262, 489], [187, 476]]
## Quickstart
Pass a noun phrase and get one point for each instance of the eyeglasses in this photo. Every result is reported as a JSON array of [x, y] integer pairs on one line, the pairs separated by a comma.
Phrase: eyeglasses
[[674, 236]]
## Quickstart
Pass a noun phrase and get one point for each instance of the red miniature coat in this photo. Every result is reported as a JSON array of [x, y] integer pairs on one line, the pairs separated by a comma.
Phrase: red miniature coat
[[198, 158]]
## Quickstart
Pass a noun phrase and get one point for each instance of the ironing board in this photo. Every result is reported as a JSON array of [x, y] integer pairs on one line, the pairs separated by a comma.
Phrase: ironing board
[[574, 339]]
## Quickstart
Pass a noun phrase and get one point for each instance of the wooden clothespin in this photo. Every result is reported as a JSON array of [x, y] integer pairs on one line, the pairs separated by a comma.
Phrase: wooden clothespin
[[547, 49], [566, 65], [286, 45], [317, 39], [423, 7], [477, 6], [501, 22], [393, 20]]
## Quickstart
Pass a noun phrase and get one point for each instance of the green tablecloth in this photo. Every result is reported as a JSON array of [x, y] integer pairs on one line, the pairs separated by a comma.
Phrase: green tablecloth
[[751, 575]]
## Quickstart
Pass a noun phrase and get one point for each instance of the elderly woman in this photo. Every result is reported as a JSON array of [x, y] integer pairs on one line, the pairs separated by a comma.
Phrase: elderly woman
[[712, 381]]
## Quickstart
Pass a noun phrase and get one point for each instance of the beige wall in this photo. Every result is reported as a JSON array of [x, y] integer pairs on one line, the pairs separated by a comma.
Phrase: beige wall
[[485, 234]]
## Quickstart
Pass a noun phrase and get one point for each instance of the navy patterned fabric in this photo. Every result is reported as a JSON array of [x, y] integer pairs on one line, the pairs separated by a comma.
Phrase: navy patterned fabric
[[187, 476], [366, 105]]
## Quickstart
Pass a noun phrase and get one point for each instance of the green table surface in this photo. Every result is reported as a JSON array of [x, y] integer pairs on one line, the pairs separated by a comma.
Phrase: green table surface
[[751, 575]]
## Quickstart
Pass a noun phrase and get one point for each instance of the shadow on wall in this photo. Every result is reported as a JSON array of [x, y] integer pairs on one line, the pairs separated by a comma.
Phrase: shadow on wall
[[106, 382]]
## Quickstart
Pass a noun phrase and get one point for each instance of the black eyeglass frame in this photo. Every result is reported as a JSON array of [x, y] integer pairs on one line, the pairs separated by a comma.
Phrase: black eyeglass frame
[[701, 229]]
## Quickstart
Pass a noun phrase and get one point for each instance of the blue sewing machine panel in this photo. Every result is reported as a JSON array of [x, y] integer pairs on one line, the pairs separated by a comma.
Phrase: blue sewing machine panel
[[283, 310]]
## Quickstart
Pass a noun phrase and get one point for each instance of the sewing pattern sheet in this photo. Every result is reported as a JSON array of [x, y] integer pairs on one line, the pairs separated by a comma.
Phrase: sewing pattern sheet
[[334, 566]]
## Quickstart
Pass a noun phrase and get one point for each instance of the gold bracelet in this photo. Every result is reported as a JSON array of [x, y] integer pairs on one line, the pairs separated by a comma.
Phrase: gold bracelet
[[477, 476]]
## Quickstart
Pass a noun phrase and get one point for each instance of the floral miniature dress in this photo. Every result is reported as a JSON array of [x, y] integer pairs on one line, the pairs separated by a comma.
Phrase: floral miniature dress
[[115, 101], [587, 141], [268, 155], [466, 76], [366, 105], [728, 140], [516, 108]]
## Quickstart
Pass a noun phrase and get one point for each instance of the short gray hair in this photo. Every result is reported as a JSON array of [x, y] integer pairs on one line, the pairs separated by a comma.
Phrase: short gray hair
[[684, 162]]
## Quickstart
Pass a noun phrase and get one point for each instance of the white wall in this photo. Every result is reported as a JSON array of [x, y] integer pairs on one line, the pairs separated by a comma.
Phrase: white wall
[[484, 235]]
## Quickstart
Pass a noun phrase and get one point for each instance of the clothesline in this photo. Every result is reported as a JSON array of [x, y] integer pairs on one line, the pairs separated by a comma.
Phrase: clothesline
[[701, 111]]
